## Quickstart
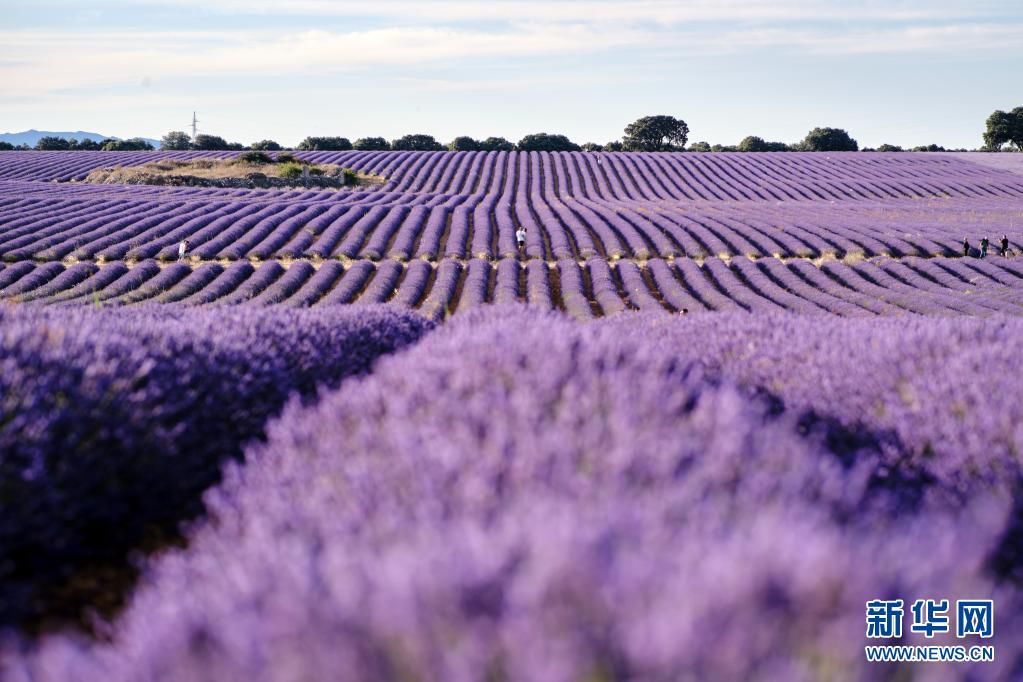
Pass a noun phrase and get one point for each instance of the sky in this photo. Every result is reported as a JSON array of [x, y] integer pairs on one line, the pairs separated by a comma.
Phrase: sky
[[909, 73]]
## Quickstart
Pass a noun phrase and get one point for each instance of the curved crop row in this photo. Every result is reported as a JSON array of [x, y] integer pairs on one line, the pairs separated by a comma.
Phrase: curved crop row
[[605, 176], [592, 288]]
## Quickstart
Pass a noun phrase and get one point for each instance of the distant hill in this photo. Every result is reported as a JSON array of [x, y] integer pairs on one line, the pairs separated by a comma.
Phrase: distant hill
[[30, 137]]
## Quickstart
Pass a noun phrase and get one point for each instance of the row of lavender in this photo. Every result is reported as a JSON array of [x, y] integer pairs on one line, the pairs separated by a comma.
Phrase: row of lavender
[[585, 289], [647, 498], [110, 224], [115, 422], [625, 177]]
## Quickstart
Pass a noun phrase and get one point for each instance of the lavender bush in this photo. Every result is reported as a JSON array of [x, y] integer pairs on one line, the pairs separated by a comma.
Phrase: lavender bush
[[519, 497], [940, 390], [112, 423]]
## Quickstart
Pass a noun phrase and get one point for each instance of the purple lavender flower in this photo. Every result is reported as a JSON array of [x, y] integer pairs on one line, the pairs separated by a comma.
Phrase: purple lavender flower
[[113, 423], [528, 498]]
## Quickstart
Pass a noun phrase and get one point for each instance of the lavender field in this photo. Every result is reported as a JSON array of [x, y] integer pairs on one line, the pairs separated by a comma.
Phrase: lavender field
[[356, 435], [852, 234]]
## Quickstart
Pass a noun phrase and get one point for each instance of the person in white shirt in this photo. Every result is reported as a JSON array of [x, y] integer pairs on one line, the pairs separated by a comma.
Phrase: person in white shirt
[[182, 249], [520, 239]]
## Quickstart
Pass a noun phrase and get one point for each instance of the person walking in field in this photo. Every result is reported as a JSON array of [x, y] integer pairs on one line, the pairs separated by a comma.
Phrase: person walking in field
[[182, 249], [1004, 245], [966, 247], [520, 240], [983, 247]]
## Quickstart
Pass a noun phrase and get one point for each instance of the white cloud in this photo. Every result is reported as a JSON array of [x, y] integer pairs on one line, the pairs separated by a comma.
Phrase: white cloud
[[948, 39], [658, 11], [34, 63], [51, 60]]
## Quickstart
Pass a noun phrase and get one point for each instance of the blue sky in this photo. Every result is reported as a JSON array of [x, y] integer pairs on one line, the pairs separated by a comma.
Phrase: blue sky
[[902, 72]]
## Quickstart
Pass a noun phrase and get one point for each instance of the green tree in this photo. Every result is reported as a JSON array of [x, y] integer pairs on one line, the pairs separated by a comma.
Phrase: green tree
[[592, 147], [928, 148], [496, 144], [210, 143], [324, 144], [371, 144], [1004, 127], [752, 143], [758, 144], [176, 141], [890, 148], [135, 144], [699, 147], [265, 146], [50, 143], [538, 142], [464, 143], [85, 145], [614, 146], [656, 134], [6, 146], [417, 143], [828, 140]]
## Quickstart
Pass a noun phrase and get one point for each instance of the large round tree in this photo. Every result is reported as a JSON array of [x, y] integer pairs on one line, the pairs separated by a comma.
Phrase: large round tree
[[324, 144], [656, 134], [1005, 127], [496, 144], [371, 144], [176, 140], [417, 143], [265, 146], [210, 143], [829, 140], [547, 142], [464, 143]]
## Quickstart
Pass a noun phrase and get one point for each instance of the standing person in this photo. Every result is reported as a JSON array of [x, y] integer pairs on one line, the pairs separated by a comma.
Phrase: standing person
[[520, 240], [966, 247], [182, 249], [983, 247], [1005, 245]]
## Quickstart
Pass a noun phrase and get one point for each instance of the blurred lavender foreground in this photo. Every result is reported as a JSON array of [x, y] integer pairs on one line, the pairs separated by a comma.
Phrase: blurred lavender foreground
[[112, 423], [521, 497]]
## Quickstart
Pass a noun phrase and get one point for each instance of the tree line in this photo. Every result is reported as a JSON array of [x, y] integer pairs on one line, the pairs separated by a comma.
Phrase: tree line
[[50, 143], [661, 133]]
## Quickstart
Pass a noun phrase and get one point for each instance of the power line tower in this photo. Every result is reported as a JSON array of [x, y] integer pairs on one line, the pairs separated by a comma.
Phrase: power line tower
[[195, 121]]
